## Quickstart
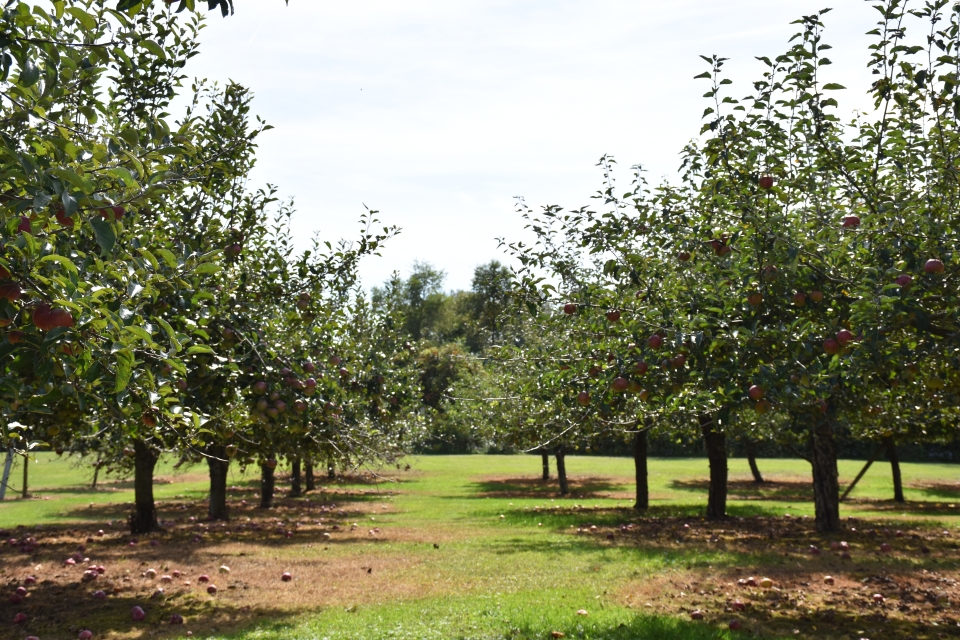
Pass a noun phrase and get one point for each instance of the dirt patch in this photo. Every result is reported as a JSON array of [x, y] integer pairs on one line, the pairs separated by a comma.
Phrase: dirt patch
[[882, 583], [333, 545]]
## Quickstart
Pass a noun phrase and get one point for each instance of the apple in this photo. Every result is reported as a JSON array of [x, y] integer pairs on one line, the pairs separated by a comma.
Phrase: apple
[[20, 618], [583, 398], [280, 406], [683, 256], [234, 250], [904, 280], [86, 634], [751, 581], [272, 463], [878, 598], [24, 226], [620, 384], [570, 308], [344, 373], [31, 638], [735, 625], [844, 336], [116, 210], [5, 273], [641, 368], [260, 387], [850, 222], [205, 578], [15, 336], [831, 346], [262, 404], [300, 406], [644, 395], [310, 383], [212, 589], [138, 614], [30, 580], [738, 605], [335, 360], [755, 299], [655, 341], [828, 580], [594, 371], [755, 392], [148, 420], [933, 266], [766, 583], [762, 407], [696, 614], [766, 182], [16, 598], [678, 361], [816, 296], [799, 299], [814, 550], [309, 367], [886, 547], [286, 577], [770, 272], [613, 316], [303, 305], [11, 291]]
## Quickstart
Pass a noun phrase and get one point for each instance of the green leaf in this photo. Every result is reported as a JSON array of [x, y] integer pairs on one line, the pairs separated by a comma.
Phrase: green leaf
[[85, 19], [139, 332], [124, 369], [833, 86], [29, 74], [168, 257], [154, 48], [174, 342], [106, 236], [207, 267], [62, 261], [199, 349]]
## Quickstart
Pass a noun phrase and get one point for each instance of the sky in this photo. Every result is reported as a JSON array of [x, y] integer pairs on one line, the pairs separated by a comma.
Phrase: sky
[[437, 113]]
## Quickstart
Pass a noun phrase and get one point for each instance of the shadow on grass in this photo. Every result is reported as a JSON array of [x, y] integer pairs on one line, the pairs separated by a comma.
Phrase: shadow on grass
[[786, 491], [641, 627], [580, 487], [942, 490]]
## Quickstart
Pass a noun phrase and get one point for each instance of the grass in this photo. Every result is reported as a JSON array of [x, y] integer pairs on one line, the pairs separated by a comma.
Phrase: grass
[[477, 547]]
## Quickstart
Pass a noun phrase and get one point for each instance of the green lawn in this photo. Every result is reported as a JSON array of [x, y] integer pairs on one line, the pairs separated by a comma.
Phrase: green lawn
[[509, 564]]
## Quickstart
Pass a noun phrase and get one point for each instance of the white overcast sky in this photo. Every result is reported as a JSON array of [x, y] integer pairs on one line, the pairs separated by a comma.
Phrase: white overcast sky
[[438, 112]]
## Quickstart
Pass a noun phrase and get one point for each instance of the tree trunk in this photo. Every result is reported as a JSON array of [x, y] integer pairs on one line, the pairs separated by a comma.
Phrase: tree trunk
[[716, 444], [267, 483], [295, 478], [96, 474], [891, 448], [752, 460], [218, 464], [24, 493], [144, 519], [562, 471], [545, 459], [308, 472], [6, 474], [826, 483], [640, 466]]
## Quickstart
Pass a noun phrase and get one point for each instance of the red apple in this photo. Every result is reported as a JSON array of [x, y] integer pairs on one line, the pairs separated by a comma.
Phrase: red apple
[[259, 387], [205, 578], [770, 272], [212, 589], [613, 316], [29, 580], [644, 395], [15, 598], [11, 291], [831, 346], [696, 614], [138, 614], [735, 625], [344, 373], [641, 368], [904, 280], [933, 266], [24, 226], [271, 464], [570, 308], [755, 299], [176, 618], [816, 296], [737, 605], [844, 336], [655, 342], [15, 336], [620, 384], [286, 577], [678, 361], [850, 222], [886, 547], [86, 634], [5, 273], [766, 182], [799, 299], [583, 398], [755, 392], [335, 360], [683, 256], [20, 618], [878, 598]]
